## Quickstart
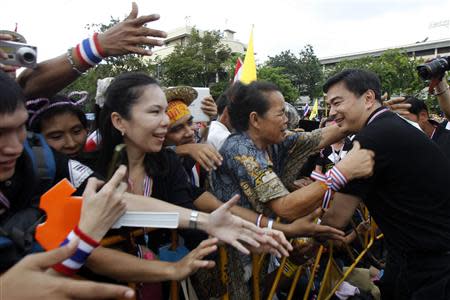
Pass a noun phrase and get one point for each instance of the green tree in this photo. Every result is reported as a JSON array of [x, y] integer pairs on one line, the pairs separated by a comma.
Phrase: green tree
[[199, 62], [304, 71], [396, 70], [310, 73], [281, 79]]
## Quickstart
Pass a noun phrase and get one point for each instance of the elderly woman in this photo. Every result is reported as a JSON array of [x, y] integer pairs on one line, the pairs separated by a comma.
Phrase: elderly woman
[[261, 158]]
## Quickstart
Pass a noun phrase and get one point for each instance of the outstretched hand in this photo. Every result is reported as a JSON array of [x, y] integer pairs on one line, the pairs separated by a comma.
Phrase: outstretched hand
[[128, 36], [307, 226], [232, 229], [194, 260], [28, 279]]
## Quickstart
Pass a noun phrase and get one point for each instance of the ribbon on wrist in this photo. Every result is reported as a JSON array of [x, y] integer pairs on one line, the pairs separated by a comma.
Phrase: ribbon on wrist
[[85, 247], [334, 180]]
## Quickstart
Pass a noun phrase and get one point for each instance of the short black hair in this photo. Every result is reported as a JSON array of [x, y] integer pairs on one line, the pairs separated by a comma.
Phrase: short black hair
[[11, 94], [245, 99], [222, 102], [417, 105], [356, 81]]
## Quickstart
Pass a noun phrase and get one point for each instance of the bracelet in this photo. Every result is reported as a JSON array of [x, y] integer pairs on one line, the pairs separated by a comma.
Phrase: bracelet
[[85, 247], [89, 51], [193, 219], [258, 220], [270, 224], [72, 62]]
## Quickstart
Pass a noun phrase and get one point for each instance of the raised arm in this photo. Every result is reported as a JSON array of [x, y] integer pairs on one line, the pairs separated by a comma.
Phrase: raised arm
[[125, 37]]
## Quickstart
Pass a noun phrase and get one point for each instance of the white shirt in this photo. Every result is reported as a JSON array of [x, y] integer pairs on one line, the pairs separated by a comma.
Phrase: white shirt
[[218, 133]]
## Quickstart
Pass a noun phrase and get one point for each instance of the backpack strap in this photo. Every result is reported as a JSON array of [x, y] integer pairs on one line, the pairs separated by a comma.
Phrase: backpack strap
[[42, 159]]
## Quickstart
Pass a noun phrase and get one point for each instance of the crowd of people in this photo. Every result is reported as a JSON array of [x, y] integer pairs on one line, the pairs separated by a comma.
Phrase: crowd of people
[[248, 181]]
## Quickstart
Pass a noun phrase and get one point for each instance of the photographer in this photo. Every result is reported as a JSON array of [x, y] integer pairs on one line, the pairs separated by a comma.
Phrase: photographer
[[52, 75]]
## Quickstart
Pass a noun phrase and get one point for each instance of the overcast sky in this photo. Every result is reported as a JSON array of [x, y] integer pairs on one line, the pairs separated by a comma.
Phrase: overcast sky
[[331, 27]]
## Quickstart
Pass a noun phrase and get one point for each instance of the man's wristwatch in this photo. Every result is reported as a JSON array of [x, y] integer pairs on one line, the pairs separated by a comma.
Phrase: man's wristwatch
[[193, 219]]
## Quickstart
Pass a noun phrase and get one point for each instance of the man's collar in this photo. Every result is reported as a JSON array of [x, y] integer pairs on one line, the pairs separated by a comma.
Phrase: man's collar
[[380, 110]]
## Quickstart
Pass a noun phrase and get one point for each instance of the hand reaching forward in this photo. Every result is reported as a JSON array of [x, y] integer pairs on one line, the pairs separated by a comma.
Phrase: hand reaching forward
[[28, 279], [194, 260], [307, 226], [234, 230]]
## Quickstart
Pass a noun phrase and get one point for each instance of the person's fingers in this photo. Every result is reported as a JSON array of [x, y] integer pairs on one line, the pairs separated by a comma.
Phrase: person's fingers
[[281, 239], [48, 259], [315, 214], [249, 237], [230, 203], [117, 178], [356, 145], [277, 245], [142, 20], [86, 290], [6, 37], [202, 264], [240, 247], [252, 227], [92, 186], [8, 68], [205, 251], [150, 42], [134, 12], [324, 229]]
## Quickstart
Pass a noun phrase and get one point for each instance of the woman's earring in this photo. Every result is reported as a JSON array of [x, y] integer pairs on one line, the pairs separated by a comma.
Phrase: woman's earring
[[123, 133]]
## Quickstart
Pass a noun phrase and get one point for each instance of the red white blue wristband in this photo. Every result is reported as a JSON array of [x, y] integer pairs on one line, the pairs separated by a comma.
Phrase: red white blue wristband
[[89, 51], [334, 179], [85, 247]]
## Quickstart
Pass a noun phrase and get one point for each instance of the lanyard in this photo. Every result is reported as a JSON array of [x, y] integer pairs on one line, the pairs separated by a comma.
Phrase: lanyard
[[337, 154], [377, 114], [4, 200], [432, 134]]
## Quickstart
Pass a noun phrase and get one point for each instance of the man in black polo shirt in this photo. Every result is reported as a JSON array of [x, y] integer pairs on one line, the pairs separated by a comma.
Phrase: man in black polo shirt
[[407, 194]]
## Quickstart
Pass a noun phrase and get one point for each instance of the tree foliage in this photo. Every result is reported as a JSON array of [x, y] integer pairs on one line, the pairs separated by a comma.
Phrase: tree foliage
[[304, 71], [281, 79], [396, 70], [198, 62]]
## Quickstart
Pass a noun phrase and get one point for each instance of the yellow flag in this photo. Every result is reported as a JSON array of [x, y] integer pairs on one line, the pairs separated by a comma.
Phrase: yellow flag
[[314, 111], [249, 68]]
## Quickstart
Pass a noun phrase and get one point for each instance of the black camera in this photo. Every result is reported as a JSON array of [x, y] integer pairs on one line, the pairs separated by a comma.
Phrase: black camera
[[19, 54], [435, 68]]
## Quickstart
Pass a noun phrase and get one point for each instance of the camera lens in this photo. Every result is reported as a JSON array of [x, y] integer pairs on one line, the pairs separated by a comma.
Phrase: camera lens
[[27, 55], [433, 69]]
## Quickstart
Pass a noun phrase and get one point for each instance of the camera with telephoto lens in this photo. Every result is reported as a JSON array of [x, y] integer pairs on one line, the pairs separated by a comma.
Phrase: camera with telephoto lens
[[434, 69], [19, 54]]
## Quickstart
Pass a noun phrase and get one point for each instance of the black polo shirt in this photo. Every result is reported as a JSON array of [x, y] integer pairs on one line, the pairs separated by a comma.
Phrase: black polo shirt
[[442, 137], [409, 193]]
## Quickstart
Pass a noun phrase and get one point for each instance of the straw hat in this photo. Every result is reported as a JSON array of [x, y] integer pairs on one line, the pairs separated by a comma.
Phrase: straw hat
[[186, 94]]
